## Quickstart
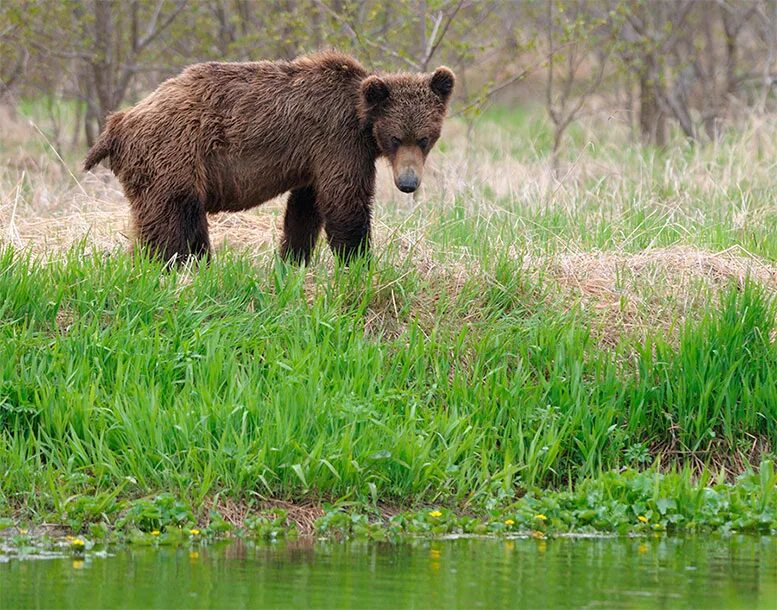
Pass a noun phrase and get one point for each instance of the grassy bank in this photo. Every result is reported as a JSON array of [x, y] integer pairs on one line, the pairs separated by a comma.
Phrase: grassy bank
[[627, 502], [370, 382], [513, 332]]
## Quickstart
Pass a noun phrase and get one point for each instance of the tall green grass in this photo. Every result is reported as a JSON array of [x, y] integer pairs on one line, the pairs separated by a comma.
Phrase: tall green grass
[[377, 381], [471, 376]]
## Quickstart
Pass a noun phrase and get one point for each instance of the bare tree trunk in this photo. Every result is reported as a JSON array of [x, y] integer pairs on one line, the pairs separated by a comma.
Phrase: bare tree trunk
[[769, 15], [628, 86], [7, 81], [422, 42], [77, 125], [652, 122], [102, 60]]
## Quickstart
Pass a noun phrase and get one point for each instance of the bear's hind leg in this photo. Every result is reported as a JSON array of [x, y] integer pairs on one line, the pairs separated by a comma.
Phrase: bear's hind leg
[[175, 231], [301, 225]]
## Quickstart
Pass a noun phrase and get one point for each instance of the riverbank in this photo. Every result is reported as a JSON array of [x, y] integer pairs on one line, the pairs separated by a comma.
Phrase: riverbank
[[384, 383], [514, 335], [617, 503]]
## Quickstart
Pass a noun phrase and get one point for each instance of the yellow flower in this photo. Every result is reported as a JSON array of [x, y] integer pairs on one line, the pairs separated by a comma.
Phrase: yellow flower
[[509, 522], [541, 517], [643, 518], [435, 513], [155, 533], [194, 532], [23, 532], [77, 542]]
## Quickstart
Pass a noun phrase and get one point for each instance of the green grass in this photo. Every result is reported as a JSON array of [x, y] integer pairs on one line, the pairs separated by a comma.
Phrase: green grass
[[624, 502], [240, 379], [462, 368]]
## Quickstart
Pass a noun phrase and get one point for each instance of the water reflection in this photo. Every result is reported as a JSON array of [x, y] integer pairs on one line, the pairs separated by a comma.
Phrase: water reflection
[[734, 572]]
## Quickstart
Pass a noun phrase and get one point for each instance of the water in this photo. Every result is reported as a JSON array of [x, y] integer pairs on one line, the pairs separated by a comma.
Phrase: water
[[735, 572]]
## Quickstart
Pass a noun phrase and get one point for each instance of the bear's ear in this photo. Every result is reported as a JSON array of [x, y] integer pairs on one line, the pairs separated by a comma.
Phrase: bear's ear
[[442, 83], [375, 91]]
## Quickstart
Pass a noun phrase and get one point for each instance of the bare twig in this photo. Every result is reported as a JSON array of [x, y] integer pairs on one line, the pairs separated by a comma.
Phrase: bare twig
[[152, 31], [434, 40], [491, 91], [61, 160]]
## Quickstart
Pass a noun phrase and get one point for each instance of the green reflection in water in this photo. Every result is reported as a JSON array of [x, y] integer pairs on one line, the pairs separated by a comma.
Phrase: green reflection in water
[[735, 572]]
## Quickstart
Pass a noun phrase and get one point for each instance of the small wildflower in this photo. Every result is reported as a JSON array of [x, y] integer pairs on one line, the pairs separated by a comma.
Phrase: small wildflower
[[643, 518], [77, 542], [23, 532], [194, 532], [541, 517], [509, 522], [155, 533], [435, 513]]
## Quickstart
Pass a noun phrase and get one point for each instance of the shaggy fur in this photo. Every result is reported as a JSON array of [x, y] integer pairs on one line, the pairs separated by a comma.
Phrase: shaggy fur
[[229, 136]]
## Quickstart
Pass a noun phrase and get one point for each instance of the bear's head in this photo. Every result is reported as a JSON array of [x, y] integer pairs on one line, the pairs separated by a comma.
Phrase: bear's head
[[405, 113]]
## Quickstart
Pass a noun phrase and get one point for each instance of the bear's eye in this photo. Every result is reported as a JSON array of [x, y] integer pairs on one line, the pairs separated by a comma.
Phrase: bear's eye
[[423, 143], [395, 142]]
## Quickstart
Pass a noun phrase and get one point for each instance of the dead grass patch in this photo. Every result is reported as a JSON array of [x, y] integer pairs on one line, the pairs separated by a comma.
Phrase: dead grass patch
[[660, 288]]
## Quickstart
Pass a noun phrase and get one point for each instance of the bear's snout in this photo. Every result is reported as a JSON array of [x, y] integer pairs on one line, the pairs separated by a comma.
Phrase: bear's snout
[[408, 166], [408, 181]]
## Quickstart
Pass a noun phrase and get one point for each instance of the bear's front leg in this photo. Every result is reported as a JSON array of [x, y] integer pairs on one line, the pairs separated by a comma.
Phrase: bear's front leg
[[346, 206], [348, 230], [349, 237]]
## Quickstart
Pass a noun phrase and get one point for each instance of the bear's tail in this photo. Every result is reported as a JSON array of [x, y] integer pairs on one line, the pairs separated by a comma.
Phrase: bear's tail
[[106, 142]]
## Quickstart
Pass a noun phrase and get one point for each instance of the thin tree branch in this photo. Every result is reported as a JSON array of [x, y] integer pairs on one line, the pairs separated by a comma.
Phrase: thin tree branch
[[433, 47], [152, 32]]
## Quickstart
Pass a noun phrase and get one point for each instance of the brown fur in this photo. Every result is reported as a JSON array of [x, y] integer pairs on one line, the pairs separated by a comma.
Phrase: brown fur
[[229, 136]]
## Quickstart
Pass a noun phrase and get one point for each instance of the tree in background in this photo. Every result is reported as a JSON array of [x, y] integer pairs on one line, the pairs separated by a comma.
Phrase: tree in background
[[689, 59], [103, 45], [577, 54], [15, 56], [692, 67]]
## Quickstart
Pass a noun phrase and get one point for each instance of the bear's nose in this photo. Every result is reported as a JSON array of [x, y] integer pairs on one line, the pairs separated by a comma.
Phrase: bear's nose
[[407, 182]]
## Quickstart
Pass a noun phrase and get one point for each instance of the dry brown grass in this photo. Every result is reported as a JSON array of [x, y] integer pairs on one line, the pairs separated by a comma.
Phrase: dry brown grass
[[626, 293]]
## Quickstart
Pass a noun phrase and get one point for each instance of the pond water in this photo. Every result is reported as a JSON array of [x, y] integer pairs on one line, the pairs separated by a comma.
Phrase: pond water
[[700, 572]]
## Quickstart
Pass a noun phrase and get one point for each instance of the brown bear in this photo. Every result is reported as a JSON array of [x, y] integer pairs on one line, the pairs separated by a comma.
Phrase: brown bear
[[229, 136]]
